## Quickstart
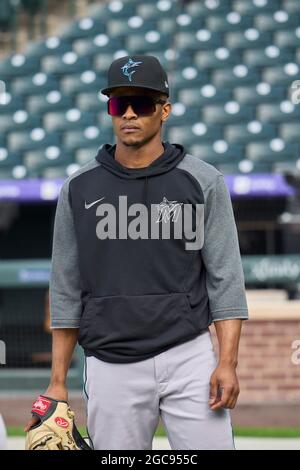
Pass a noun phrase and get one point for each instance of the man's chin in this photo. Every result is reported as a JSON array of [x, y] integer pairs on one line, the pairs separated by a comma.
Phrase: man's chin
[[132, 142]]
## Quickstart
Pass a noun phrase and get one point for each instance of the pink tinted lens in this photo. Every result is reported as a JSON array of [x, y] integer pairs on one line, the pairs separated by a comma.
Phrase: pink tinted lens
[[117, 105]]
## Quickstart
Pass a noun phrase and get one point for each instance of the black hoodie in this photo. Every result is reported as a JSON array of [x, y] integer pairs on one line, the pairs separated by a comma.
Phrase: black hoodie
[[127, 263], [138, 288]]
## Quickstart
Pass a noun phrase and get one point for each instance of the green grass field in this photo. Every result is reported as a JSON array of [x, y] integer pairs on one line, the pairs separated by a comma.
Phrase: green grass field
[[16, 431]]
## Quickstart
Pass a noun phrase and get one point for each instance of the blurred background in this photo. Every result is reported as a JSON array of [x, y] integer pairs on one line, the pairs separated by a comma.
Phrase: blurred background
[[233, 68]]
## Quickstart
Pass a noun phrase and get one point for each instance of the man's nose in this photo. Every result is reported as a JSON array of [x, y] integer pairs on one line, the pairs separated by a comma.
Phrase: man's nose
[[129, 112]]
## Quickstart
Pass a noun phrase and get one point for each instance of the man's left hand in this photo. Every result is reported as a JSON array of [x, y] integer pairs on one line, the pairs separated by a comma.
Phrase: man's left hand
[[224, 388]]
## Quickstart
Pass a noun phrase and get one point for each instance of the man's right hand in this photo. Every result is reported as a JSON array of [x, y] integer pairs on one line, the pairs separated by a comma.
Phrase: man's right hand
[[56, 392]]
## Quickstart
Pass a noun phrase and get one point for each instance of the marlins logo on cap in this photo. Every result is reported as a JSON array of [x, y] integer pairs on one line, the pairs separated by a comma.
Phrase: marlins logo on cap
[[130, 64]]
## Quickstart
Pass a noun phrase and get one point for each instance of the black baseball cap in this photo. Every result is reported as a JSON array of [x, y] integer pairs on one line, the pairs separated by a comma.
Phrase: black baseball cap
[[143, 71]]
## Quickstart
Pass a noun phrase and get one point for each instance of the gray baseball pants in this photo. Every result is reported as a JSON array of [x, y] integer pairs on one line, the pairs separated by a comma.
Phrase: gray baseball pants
[[125, 401]]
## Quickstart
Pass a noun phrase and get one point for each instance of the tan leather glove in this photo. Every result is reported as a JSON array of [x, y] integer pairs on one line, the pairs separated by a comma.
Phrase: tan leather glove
[[56, 429]]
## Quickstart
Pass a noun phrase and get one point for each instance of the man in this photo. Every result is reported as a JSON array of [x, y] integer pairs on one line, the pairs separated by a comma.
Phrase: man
[[145, 258]]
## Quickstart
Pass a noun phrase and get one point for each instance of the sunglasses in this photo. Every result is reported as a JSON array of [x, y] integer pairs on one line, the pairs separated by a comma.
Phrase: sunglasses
[[141, 104]]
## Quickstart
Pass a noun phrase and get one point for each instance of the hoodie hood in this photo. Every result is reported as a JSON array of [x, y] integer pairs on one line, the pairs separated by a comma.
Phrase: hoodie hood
[[172, 155]]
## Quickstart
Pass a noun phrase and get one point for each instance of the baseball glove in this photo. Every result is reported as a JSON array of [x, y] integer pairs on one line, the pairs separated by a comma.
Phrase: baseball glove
[[56, 429]]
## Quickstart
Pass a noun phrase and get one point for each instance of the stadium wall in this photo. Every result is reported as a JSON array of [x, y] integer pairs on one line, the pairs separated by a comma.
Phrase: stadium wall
[[269, 362]]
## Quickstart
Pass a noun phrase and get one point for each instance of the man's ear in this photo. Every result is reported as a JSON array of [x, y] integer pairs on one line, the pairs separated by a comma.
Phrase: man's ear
[[166, 113]]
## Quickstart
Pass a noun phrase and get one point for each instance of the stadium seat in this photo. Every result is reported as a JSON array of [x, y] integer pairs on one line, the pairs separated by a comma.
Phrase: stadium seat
[[188, 77], [101, 61], [53, 172], [68, 63], [292, 6], [206, 94], [58, 121], [287, 38], [248, 7], [87, 81], [5, 173], [90, 101], [252, 131], [277, 113], [231, 21], [11, 173], [244, 167], [263, 151], [259, 93], [235, 76], [218, 58], [141, 43], [89, 137], [280, 75], [18, 65], [207, 152], [54, 45], [228, 113], [12, 103], [156, 9], [84, 27], [36, 139], [9, 159], [53, 100], [98, 44], [271, 55], [200, 40], [37, 160], [122, 9], [250, 38], [191, 134], [196, 8], [289, 132], [37, 84], [104, 121], [182, 114], [171, 59], [19, 120], [276, 21], [113, 9], [136, 25], [82, 156], [184, 22]]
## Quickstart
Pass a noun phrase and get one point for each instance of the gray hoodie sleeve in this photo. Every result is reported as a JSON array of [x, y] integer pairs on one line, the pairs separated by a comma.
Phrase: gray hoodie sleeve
[[221, 255], [220, 252], [65, 289]]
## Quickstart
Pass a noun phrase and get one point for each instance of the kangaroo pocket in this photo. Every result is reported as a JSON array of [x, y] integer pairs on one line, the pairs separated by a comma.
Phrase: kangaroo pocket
[[115, 327]]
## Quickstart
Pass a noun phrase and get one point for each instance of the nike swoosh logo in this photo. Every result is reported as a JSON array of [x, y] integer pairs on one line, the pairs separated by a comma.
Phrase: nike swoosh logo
[[87, 206]]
